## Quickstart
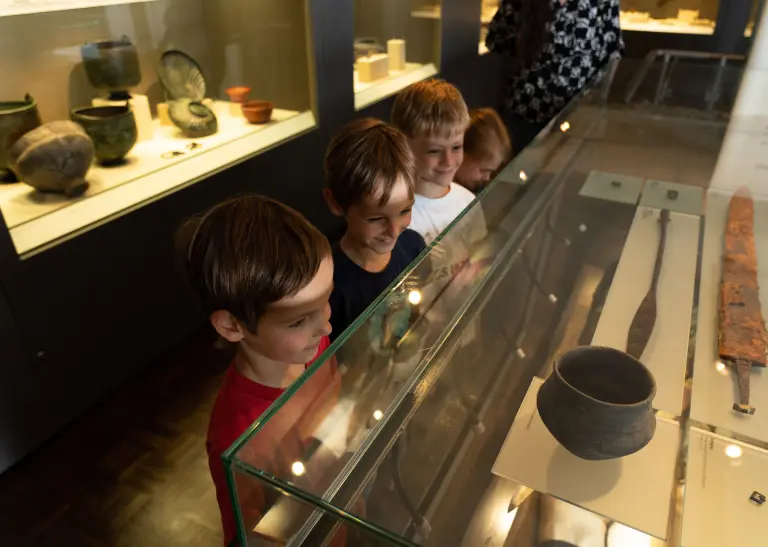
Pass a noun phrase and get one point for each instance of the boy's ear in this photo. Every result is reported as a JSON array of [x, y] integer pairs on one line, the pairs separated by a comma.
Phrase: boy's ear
[[227, 326], [331, 201]]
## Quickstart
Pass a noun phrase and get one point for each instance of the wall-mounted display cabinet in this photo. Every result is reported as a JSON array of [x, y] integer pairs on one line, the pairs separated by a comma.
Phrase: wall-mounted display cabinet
[[397, 43], [123, 103]]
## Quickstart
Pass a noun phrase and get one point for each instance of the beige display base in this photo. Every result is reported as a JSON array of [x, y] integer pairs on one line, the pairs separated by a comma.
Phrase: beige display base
[[656, 25], [717, 511], [635, 490], [667, 350], [36, 220], [714, 388], [369, 93]]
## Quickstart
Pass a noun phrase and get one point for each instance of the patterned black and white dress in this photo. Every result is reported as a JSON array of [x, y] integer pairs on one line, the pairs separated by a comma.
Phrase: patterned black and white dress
[[582, 37]]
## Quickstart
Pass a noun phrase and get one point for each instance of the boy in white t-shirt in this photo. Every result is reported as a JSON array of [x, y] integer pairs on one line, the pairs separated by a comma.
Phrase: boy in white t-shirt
[[434, 116]]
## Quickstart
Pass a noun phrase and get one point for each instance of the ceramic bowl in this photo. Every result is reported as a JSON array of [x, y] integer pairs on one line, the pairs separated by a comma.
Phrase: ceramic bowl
[[181, 76], [112, 66], [238, 94], [16, 119], [194, 118], [111, 128], [597, 403], [258, 111]]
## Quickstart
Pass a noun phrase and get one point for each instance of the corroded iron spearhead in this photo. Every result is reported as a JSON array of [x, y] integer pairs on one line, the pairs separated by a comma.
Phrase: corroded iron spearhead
[[645, 318]]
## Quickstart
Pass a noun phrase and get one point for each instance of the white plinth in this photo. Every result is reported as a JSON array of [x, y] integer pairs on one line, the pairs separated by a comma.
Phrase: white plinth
[[667, 350], [396, 52], [717, 511], [635, 490], [612, 187], [682, 198], [373, 67], [141, 112], [714, 388]]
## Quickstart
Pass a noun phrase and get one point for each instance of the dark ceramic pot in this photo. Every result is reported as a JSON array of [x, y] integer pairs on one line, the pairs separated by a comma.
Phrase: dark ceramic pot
[[597, 403], [16, 119], [112, 130], [112, 66], [54, 157]]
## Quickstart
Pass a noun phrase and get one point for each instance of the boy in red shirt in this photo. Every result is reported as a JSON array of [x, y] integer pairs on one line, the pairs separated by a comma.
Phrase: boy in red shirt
[[263, 274]]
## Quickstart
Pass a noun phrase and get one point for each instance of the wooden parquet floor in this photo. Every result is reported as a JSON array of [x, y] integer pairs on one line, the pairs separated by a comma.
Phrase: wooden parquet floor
[[132, 472]]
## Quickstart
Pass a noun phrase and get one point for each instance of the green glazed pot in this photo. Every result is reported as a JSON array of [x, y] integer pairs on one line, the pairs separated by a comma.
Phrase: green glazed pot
[[16, 119], [112, 66], [111, 128]]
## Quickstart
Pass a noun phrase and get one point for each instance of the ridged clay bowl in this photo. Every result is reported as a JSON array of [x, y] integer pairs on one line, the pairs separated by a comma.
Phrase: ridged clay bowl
[[597, 403]]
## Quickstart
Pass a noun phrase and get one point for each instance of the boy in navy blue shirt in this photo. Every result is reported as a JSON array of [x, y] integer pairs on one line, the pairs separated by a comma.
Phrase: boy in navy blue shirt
[[370, 173]]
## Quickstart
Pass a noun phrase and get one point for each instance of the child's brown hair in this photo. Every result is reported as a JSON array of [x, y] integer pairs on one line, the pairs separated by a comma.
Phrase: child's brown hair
[[486, 134], [248, 252], [368, 156], [430, 107]]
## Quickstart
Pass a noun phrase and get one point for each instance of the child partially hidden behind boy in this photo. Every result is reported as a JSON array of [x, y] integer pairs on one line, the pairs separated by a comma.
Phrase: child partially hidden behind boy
[[370, 173], [486, 148], [263, 275]]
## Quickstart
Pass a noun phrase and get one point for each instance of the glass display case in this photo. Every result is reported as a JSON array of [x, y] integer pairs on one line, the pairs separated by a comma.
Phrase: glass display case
[[424, 424], [158, 93], [670, 16], [397, 43]]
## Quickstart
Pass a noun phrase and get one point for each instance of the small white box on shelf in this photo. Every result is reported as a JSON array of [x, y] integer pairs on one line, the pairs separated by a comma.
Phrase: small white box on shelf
[[396, 52], [373, 67], [142, 114], [162, 114]]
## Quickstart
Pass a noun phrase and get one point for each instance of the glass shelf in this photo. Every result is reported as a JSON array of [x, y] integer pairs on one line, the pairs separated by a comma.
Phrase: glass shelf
[[433, 438], [260, 46]]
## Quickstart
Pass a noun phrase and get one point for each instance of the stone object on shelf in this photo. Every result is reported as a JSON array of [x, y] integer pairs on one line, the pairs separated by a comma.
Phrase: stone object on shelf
[[16, 119], [742, 339], [54, 157], [597, 403], [366, 46], [396, 52], [194, 118], [181, 76], [258, 112], [112, 130], [688, 15], [373, 67], [142, 113], [112, 66]]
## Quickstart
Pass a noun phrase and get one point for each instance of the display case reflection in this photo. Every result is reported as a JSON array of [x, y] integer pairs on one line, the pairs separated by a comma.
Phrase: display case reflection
[[141, 87], [670, 16], [396, 43]]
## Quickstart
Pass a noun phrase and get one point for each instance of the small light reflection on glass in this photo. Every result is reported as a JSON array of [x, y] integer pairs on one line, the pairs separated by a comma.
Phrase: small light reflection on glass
[[523, 176], [298, 469], [721, 368], [414, 297], [378, 415], [733, 451], [565, 126]]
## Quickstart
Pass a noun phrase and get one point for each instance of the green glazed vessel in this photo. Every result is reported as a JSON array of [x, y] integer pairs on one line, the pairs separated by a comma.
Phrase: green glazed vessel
[[112, 66], [16, 119], [111, 128]]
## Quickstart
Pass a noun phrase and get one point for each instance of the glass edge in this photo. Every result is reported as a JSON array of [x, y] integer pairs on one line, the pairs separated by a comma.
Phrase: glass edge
[[321, 504], [230, 474]]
